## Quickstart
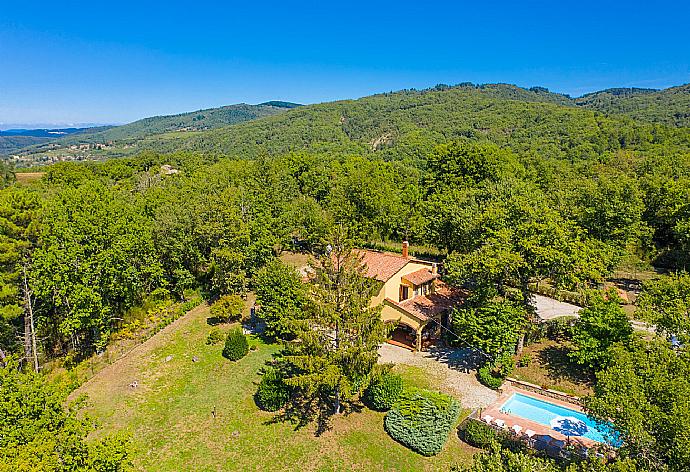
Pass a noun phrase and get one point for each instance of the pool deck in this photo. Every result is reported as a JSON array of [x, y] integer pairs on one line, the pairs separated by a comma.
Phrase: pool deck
[[510, 420]]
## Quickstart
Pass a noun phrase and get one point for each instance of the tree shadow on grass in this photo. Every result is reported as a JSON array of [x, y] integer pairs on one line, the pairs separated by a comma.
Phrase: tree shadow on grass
[[560, 367], [301, 411], [215, 320]]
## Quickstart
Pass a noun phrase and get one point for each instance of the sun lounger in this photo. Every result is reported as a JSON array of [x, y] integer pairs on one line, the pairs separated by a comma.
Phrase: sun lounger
[[529, 433], [516, 429], [500, 423], [487, 419]]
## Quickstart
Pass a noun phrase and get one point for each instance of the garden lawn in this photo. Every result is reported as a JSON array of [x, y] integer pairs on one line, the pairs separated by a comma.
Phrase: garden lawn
[[169, 414], [552, 368]]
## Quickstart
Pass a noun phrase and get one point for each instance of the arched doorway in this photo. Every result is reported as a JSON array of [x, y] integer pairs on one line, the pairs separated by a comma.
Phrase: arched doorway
[[403, 336]]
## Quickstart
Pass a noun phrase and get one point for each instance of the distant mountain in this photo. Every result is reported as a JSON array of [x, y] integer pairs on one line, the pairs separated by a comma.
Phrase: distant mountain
[[200, 120], [12, 140], [409, 123], [670, 106], [404, 124], [280, 104]]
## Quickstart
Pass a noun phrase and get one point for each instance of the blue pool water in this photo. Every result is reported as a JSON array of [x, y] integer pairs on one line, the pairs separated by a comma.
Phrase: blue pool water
[[567, 421]]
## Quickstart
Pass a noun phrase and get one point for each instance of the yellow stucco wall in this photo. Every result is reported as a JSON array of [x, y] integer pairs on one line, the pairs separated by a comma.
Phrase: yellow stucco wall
[[392, 313], [390, 290], [392, 287]]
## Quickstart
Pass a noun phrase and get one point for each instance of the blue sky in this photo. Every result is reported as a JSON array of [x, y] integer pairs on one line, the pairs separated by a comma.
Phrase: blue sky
[[117, 61]]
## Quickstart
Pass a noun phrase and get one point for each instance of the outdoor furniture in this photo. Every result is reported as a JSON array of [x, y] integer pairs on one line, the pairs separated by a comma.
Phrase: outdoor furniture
[[516, 429], [487, 419], [529, 433], [500, 423]]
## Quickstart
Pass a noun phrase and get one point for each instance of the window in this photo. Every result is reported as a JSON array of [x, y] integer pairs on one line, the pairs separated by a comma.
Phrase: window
[[404, 292]]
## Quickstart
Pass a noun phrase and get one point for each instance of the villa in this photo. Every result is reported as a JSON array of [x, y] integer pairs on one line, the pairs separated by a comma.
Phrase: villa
[[411, 295]]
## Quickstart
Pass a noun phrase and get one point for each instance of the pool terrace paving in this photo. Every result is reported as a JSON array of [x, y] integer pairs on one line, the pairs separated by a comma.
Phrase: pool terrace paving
[[541, 430]]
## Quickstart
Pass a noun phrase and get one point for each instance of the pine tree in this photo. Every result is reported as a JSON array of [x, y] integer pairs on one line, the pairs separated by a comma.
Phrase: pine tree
[[337, 345]]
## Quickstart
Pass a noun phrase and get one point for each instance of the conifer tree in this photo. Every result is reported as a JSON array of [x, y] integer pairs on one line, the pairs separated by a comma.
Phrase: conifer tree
[[337, 344]]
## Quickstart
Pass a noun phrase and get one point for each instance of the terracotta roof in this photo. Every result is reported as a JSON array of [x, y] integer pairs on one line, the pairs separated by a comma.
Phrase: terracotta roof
[[421, 276], [429, 306], [381, 265]]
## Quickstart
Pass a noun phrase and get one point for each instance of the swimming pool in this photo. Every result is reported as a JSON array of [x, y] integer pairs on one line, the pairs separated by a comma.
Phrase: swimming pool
[[565, 420]]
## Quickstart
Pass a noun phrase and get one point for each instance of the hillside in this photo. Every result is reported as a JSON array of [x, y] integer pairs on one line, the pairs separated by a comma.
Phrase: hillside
[[12, 140], [669, 106], [114, 141], [398, 125], [199, 120], [409, 123]]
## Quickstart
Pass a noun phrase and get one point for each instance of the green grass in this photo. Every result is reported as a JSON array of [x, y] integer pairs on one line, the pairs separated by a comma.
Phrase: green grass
[[169, 414]]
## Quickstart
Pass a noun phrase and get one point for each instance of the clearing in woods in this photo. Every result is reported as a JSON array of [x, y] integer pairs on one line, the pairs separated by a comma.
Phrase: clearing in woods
[[169, 414]]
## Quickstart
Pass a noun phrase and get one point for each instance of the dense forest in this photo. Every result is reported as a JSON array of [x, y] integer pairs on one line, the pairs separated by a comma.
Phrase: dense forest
[[192, 121], [513, 185]]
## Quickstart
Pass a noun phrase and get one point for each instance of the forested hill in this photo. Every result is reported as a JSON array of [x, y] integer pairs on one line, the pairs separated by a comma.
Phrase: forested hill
[[191, 121], [14, 139], [669, 106], [127, 135], [408, 124]]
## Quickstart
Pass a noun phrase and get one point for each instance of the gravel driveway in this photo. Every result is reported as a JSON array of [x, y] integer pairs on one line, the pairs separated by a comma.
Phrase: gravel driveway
[[453, 367]]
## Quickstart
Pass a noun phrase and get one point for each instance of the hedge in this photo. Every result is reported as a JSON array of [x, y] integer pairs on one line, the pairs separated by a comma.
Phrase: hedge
[[421, 420], [236, 345], [384, 391], [479, 435], [486, 377], [272, 393]]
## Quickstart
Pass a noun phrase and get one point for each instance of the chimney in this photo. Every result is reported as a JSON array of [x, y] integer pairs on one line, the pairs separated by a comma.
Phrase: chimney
[[405, 249], [434, 269]]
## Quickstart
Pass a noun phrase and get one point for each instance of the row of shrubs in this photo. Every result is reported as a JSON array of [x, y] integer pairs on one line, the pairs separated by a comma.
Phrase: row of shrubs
[[419, 419], [480, 435]]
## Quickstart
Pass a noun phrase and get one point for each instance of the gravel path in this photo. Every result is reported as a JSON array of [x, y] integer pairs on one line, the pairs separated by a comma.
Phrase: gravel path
[[453, 367]]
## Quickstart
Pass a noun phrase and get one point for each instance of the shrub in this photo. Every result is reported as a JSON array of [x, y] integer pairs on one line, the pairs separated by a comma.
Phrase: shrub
[[421, 420], [272, 393], [560, 328], [236, 345], [228, 307], [479, 434], [487, 377], [215, 336], [525, 360], [384, 391]]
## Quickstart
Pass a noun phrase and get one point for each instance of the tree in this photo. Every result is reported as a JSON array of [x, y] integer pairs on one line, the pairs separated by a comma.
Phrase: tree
[[18, 211], [7, 175], [39, 433], [228, 307], [602, 324], [282, 296], [492, 327], [644, 391], [464, 162], [337, 346], [505, 460], [236, 345], [666, 302]]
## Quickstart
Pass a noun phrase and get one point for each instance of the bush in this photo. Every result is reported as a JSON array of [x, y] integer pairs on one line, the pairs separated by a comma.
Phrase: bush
[[560, 328], [215, 336], [421, 420], [486, 377], [236, 345], [228, 307], [384, 391], [479, 434], [272, 393], [525, 360]]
